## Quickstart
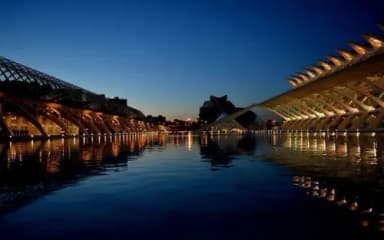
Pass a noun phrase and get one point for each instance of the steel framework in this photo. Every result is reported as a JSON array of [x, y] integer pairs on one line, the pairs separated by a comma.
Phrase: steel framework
[[13, 71]]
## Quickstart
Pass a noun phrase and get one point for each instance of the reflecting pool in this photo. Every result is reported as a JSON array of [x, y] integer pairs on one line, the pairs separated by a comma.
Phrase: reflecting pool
[[193, 187]]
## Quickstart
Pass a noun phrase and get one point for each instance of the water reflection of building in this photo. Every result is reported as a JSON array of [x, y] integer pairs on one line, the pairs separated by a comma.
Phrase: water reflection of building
[[355, 147], [343, 170], [31, 169], [221, 151]]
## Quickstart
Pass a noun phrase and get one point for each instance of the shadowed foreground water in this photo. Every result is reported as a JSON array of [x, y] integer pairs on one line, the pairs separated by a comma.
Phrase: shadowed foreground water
[[192, 187]]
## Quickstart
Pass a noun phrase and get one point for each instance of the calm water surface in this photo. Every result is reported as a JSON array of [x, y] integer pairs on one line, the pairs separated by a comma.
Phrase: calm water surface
[[192, 187]]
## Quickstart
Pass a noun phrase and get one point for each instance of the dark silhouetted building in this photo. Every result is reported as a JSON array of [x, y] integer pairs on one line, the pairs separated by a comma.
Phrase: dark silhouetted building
[[219, 107], [214, 108]]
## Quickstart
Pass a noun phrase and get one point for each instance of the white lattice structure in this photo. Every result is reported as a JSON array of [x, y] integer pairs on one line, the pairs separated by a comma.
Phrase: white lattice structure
[[344, 92]]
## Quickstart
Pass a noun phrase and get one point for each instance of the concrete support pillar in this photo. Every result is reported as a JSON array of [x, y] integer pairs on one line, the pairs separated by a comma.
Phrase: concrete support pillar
[[99, 122], [369, 95], [319, 106], [49, 113], [29, 112], [340, 102], [299, 110], [89, 122], [329, 104], [362, 105], [108, 121], [312, 108], [289, 113], [73, 117], [281, 114]]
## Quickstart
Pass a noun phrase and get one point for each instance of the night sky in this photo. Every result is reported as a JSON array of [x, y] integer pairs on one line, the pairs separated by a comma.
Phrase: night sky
[[167, 57]]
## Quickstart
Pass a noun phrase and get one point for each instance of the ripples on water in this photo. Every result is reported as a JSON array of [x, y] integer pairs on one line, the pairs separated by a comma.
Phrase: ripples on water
[[224, 187], [346, 170]]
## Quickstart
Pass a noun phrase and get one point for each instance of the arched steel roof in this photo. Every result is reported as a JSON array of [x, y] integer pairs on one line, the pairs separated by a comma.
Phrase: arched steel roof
[[13, 71]]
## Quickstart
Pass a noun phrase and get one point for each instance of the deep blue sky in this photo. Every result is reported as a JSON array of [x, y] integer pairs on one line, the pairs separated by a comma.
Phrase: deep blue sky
[[167, 57]]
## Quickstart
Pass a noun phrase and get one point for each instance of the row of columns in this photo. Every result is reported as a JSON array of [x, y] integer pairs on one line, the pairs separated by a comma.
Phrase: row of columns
[[353, 106], [69, 120]]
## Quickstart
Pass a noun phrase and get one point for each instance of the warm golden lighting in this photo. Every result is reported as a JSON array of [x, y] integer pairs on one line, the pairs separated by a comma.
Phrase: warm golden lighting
[[317, 69], [358, 48], [310, 74], [189, 141], [367, 211], [335, 60], [298, 80], [53, 105], [115, 149], [21, 126], [304, 77], [346, 55], [342, 202], [50, 127], [331, 195], [293, 83], [326, 65], [376, 42], [354, 206]]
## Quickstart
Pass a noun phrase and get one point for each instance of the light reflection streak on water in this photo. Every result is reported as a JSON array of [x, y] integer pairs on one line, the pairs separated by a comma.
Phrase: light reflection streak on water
[[51, 152], [359, 148], [345, 169], [323, 153], [189, 141], [33, 168]]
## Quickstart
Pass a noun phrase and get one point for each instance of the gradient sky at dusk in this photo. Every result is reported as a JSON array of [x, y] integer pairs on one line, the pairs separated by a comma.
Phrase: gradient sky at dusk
[[167, 57]]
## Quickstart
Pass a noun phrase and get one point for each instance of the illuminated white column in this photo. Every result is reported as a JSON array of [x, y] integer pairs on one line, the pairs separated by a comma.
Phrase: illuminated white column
[[364, 106], [370, 96]]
